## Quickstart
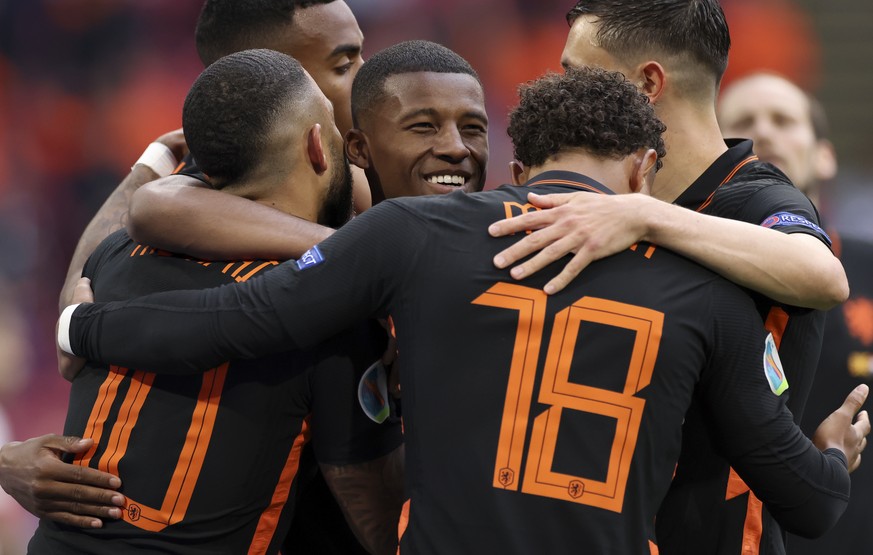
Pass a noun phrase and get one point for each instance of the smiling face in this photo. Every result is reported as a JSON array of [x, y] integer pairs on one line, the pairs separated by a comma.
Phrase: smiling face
[[427, 134]]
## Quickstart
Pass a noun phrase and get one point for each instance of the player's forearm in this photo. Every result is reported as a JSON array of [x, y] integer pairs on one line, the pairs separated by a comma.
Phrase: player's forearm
[[179, 332], [808, 495], [371, 496], [795, 269], [177, 215], [111, 217]]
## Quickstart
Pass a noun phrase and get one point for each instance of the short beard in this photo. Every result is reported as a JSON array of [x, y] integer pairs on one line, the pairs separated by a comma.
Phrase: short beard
[[337, 206]]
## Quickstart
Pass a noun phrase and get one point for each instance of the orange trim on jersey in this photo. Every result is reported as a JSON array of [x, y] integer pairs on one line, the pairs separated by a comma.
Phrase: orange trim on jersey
[[135, 250], [256, 270], [190, 461], [577, 184], [653, 549], [777, 321], [650, 251], [735, 486], [269, 520], [100, 411], [242, 267], [228, 267], [726, 179], [128, 414], [403, 523], [181, 165]]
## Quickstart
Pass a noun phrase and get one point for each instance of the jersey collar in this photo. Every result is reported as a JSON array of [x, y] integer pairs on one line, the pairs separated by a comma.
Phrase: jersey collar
[[569, 179], [739, 154]]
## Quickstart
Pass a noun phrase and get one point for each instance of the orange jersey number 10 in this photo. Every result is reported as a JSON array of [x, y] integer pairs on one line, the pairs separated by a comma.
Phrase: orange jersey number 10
[[557, 392]]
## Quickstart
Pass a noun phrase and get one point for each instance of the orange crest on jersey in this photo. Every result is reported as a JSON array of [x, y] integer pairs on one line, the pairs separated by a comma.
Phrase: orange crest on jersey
[[859, 319]]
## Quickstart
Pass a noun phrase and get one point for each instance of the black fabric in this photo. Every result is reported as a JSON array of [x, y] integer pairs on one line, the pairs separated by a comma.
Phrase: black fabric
[[697, 517], [263, 411], [587, 388]]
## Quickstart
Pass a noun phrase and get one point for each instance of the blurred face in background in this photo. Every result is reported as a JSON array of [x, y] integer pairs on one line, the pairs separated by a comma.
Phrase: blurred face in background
[[776, 115]]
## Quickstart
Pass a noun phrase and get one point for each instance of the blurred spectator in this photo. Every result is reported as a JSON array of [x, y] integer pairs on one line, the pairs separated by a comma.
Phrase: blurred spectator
[[790, 130]]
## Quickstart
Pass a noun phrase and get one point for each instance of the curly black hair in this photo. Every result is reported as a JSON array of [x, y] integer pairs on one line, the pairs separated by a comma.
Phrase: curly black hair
[[589, 108], [232, 107]]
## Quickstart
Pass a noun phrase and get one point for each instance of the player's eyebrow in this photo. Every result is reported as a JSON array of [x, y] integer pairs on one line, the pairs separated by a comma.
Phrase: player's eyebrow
[[431, 112], [349, 49]]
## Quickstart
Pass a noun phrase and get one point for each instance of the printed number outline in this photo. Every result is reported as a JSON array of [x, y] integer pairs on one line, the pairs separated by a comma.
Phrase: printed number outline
[[190, 462], [559, 393]]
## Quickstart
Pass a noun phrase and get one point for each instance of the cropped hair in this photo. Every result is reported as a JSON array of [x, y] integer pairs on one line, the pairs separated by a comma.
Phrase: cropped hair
[[228, 26], [691, 28], [232, 107], [586, 108], [413, 56]]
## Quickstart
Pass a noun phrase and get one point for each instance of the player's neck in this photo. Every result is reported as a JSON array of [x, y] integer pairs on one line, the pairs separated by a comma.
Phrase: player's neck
[[612, 173], [694, 142]]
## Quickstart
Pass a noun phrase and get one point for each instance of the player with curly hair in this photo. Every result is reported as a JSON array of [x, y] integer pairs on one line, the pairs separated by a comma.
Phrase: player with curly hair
[[533, 423]]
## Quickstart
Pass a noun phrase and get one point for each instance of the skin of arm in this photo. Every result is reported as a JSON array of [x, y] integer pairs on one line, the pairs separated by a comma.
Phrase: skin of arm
[[34, 475], [113, 214], [371, 497], [795, 269], [160, 211]]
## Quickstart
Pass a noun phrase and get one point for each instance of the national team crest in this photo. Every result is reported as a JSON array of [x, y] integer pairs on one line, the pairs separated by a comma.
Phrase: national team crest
[[773, 367]]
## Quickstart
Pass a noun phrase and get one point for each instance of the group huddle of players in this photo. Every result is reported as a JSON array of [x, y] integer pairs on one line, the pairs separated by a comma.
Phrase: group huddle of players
[[610, 355]]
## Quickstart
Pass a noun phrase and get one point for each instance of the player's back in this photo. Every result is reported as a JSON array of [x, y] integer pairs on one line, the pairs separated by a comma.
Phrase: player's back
[[207, 461], [547, 424]]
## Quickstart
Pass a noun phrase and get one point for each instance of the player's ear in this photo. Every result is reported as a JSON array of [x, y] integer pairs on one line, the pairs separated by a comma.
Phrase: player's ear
[[517, 173], [825, 160], [315, 149], [651, 78], [643, 174], [358, 148]]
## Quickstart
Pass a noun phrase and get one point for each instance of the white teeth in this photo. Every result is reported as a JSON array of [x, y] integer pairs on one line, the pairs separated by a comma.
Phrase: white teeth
[[448, 179]]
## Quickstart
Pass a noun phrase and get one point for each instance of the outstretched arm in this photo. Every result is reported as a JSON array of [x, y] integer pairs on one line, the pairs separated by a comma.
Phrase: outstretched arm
[[112, 216], [180, 215], [795, 268], [34, 475]]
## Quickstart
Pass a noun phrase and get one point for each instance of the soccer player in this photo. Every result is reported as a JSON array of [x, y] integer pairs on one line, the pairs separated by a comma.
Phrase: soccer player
[[209, 463], [423, 104], [724, 209], [322, 34], [533, 423], [420, 117], [790, 130]]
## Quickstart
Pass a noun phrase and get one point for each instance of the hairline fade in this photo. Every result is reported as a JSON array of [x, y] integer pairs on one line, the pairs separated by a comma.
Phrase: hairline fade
[[228, 26], [415, 56]]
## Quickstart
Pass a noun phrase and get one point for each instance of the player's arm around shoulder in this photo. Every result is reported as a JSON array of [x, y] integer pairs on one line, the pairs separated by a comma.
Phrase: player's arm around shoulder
[[796, 269]]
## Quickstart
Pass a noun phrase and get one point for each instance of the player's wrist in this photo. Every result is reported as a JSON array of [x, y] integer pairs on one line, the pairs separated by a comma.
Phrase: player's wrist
[[159, 158], [64, 329]]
